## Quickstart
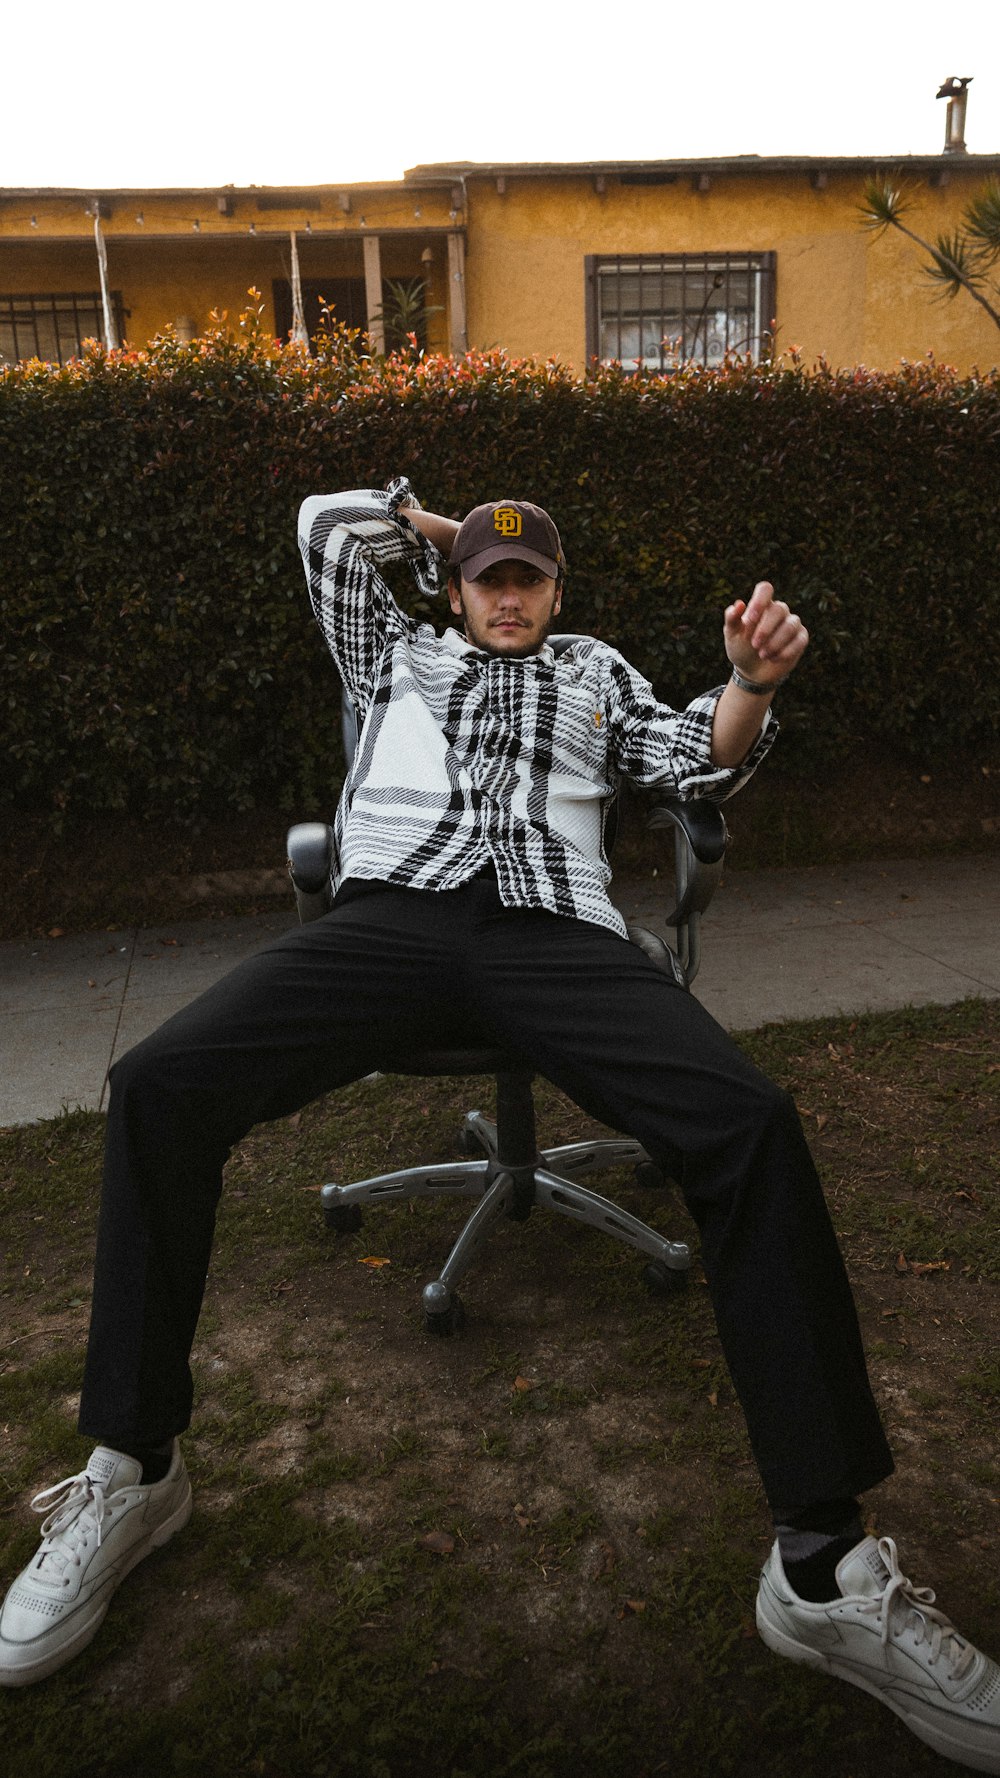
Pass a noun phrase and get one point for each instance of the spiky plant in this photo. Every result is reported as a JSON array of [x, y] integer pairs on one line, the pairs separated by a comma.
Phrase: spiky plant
[[959, 261]]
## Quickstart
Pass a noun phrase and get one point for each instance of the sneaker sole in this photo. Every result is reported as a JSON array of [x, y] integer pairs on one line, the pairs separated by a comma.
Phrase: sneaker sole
[[49, 1664], [945, 1737]]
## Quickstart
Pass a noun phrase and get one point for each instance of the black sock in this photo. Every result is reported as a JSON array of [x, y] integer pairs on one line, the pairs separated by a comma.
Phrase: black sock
[[155, 1459], [813, 1540]]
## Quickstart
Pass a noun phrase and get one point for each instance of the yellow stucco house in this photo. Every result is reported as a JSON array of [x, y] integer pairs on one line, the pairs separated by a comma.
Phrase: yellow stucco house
[[652, 260]]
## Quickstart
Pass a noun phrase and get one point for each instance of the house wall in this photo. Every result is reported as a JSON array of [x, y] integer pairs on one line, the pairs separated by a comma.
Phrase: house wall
[[840, 291]]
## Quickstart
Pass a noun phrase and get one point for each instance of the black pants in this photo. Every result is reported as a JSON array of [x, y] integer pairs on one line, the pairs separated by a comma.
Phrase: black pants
[[391, 968]]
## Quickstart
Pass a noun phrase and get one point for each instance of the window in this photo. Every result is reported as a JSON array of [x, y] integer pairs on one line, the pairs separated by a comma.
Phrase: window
[[679, 308], [53, 327]]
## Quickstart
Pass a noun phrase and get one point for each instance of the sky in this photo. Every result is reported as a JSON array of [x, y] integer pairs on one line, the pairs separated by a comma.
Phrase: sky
[[194, 95]]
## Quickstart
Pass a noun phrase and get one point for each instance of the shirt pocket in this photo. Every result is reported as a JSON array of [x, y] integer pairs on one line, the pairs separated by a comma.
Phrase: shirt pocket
[[580, 743]]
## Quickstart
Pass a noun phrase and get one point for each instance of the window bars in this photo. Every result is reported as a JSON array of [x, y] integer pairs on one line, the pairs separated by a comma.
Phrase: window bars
[[54, 326], [660, 312]]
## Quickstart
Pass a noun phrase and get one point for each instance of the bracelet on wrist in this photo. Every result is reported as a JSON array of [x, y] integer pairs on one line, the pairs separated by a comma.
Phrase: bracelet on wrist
[[751, 685]]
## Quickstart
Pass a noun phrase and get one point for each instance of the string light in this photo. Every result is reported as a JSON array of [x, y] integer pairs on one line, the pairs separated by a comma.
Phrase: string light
[[390, 218]]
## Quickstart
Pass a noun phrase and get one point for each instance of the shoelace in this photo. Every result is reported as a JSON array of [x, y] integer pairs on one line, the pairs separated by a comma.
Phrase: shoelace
[[930, 1625], [66, 1509]]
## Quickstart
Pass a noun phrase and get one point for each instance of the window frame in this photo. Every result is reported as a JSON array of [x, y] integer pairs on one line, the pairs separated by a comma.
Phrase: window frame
[[760, 265], [57, 305]]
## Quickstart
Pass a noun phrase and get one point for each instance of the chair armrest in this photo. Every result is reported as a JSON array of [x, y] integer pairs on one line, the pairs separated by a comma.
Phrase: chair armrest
[[700, 837], [310, 866]]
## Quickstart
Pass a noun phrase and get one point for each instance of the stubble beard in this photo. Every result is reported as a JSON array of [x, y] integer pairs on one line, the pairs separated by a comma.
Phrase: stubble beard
[[519, 651]]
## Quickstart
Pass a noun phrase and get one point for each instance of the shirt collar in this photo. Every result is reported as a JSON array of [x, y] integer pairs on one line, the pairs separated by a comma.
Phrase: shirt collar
[[459, 644]]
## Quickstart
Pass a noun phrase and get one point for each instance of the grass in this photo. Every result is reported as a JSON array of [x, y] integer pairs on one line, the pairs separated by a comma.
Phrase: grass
[[530, 1551]]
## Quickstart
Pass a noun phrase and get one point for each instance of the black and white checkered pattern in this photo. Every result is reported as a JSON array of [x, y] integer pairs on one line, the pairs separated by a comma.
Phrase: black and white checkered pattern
[[466, 759]]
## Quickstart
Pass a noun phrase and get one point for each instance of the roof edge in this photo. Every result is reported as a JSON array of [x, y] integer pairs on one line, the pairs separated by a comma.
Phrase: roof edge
[[444, 173], [731, 163], [427, 177]]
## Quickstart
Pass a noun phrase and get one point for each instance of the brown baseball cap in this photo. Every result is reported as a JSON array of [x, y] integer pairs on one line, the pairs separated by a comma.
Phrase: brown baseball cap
[[505, 530]]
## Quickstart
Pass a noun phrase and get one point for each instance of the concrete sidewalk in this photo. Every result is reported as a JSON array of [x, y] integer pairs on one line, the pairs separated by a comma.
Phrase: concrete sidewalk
[[776, 945]]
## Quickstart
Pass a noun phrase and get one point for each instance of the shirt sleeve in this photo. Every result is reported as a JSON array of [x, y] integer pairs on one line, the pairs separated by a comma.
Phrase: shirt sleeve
[[653, 744], [346, 541]]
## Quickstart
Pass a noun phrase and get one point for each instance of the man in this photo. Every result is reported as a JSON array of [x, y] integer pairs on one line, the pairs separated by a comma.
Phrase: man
[[471, 907]]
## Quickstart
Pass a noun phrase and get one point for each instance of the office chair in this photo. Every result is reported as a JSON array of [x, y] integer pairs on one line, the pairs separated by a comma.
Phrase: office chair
[[505, 1172]]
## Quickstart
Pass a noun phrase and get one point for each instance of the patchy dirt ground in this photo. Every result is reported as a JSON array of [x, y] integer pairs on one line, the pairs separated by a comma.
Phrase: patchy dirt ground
[[532, 1548]]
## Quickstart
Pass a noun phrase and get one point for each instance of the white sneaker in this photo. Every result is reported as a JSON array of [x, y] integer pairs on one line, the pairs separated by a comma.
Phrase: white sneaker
[[98, 1526], [884, 1635]]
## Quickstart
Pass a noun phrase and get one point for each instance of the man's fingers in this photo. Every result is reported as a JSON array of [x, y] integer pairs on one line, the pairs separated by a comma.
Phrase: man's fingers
[[759, 601], [773, 631], [790, 645], [764, 625], [779, 635]]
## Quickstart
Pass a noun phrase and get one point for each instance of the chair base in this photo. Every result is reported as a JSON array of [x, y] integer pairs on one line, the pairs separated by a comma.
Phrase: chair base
[[512, 1189]]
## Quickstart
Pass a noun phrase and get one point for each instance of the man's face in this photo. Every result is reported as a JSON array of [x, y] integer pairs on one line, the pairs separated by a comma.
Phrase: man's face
[[508, 609]]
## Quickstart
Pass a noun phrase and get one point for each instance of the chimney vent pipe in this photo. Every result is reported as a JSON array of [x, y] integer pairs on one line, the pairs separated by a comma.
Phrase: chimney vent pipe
[[954, 89]]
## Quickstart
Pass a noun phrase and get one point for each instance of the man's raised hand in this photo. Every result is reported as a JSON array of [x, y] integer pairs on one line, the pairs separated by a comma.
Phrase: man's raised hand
[[764, 640]]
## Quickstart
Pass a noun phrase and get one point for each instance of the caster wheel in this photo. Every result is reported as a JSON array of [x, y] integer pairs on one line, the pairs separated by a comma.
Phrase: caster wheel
[[663, 1280], [343, 1219], [446, 1321], [647, 1173], [469, 1145]]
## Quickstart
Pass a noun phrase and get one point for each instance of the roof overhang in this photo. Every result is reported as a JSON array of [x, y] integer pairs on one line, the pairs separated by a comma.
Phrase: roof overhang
[[733, 163]]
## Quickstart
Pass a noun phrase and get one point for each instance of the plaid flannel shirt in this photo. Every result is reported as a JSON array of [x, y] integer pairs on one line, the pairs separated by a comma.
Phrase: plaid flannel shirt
[[466, 759]]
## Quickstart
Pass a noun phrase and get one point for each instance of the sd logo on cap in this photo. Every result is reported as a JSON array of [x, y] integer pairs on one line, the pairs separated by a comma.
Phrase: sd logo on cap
[[505, 530]]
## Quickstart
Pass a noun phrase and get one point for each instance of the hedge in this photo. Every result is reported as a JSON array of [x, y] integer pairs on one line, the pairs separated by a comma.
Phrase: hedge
[[159, 656]]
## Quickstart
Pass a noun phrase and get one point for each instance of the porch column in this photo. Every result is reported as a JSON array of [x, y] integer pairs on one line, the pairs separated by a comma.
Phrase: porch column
[[458, 338], [300, 332], [110, 331], [373, 291]]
